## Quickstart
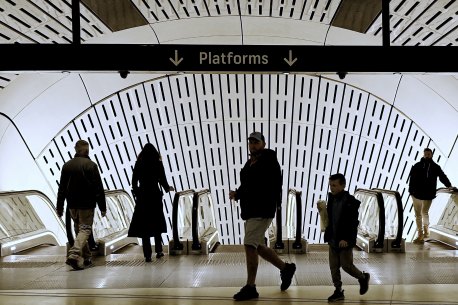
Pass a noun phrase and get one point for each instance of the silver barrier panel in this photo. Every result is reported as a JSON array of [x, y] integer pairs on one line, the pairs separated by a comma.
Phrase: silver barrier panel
[[28, 219]]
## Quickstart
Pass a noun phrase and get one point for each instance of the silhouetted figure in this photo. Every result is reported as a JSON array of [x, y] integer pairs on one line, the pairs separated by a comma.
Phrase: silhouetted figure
[[81, 186], [260, 195], [148, 219]]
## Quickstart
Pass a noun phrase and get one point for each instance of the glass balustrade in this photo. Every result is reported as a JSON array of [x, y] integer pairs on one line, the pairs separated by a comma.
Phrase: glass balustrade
[[28, 219], [394, 220], [444, 221], [181, 222], [371, 229], [205, 234], [293, 223]]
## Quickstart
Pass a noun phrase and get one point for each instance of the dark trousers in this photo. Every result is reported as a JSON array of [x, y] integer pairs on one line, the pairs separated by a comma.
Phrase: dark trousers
[[342, 257], [147, 251]]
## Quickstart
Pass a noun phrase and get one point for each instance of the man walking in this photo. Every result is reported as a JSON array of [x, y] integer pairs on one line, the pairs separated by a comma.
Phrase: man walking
[[81, 185], [422, 189], [260, 195]]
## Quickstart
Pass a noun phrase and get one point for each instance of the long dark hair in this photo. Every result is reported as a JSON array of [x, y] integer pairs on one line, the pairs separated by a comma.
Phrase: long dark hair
[[149, 155]]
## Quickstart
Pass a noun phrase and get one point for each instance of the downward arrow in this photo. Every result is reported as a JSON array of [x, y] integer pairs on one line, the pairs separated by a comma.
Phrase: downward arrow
[[176, 61], [290, 61]]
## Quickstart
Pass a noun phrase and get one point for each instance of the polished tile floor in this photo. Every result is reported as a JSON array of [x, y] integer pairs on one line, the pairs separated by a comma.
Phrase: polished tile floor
[[425, 274]]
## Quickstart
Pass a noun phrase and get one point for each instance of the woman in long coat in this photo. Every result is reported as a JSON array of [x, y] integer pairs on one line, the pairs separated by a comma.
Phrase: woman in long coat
[[148, 219]]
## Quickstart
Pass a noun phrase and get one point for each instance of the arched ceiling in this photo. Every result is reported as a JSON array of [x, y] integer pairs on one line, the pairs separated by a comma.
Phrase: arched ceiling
[[413, 22]]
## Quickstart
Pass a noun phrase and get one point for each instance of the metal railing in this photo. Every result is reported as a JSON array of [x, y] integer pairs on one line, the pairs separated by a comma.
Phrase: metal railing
[[28, 219]]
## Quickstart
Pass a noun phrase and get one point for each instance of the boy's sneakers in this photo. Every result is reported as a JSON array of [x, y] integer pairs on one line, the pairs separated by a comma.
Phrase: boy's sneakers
[[364, 283], [286, 275], [246, 293], [338, 295]]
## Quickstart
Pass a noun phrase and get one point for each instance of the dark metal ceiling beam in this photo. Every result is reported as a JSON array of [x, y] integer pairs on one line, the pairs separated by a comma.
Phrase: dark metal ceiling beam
[[76, 22], [116, 14], [386, 22], [357, 15], [227, 58]]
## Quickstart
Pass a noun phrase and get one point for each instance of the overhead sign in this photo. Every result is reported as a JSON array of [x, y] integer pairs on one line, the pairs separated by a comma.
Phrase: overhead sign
[[226, 58]]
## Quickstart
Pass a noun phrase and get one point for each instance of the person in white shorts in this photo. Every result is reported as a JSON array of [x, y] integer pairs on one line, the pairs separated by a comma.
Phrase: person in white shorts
[[260, 195]]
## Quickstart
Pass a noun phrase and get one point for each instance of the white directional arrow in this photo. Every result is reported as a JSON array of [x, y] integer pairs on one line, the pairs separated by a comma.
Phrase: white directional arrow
[[177, 60], [290, 61]]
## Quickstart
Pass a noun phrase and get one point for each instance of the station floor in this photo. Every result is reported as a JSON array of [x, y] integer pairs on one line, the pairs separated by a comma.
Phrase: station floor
[[424, 274]]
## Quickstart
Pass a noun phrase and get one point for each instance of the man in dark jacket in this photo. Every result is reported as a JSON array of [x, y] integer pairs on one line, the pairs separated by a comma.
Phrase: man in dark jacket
[[422, 188], [260, 195], [81, 185], [341, 234]]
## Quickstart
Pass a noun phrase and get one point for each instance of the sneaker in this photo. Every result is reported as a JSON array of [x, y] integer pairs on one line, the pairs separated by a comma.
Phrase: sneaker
[[286, 275], [338, 295], [94, 248], [364, 284], [73, 262], [148, 259], [419, 240], [88, 262], [246, 293], [159, 255]]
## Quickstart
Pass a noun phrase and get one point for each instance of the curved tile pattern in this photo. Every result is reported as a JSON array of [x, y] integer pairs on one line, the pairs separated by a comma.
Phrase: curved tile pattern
[[200, 123]]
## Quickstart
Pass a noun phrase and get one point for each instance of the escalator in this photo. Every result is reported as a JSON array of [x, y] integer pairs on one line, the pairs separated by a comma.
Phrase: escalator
[[371, 229], [194, 223], [28, 219], [444, 223], [394, 221]]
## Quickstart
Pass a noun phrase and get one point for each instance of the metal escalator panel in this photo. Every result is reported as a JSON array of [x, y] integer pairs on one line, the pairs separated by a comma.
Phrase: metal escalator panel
[[181, 222], [205, 235], [444, 217], [394, 221], [28, 219], [111, 231], [371, 230], [391, 216], [291, 234]]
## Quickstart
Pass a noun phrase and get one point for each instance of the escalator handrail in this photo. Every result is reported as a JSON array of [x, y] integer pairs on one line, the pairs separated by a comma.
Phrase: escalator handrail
[[196, 244], [177, 245], [110, 193], [40, 194], [297, 242], [381, 229], [279, 238], [397, 241], [446, 190]]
